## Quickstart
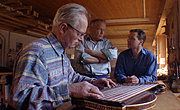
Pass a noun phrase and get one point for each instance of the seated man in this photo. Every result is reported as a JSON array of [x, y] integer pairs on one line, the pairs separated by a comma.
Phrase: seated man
[[136, 64], [43, 78]]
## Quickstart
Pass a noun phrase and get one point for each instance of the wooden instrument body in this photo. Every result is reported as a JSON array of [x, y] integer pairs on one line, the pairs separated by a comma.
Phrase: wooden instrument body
[[144, 99]]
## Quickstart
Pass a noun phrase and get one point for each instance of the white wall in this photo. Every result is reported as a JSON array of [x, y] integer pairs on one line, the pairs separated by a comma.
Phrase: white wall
[[14, 37], [10, 42], [4, 35]]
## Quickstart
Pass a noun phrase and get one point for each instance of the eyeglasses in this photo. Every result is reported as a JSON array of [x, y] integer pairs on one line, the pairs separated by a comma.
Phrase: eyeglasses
[[81, 34]]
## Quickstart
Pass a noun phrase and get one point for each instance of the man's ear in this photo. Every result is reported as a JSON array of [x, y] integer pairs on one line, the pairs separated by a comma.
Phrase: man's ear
[[141, 42], [63, 28]]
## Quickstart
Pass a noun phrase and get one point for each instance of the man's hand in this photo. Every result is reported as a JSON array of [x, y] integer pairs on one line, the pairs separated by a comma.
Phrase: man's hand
[[102, 60], [84, 89], [88, 51], [96, 53], [104, 81], [132, 79]]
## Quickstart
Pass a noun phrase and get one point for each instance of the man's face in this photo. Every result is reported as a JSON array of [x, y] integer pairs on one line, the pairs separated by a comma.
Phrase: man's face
[[73, 36], [133, 41], [97, 31]]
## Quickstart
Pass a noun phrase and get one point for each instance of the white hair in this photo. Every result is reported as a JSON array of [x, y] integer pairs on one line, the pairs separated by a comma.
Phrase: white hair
[[69, 13]]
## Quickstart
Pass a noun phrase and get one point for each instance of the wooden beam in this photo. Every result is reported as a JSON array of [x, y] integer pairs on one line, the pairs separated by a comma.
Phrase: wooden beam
[[11, 25], [16, 31], [20, 7], [6, 27], [46, 30], [18, 25], [120, 45], [13, 22], [23, 22], [17, 20], [12, 13], [124, 37], [40, 31], [127, 31], [116, 37], [127, 20], [167, 9], [35, 33], [8, 2], [133, 25]]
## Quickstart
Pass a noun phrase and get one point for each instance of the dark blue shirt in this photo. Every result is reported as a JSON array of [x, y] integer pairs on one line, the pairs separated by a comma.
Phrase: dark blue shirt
[[145, 67]]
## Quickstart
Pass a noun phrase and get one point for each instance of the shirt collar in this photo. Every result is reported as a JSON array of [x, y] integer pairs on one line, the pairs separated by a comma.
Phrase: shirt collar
[[142, 51], [55, 44], [88, 38]]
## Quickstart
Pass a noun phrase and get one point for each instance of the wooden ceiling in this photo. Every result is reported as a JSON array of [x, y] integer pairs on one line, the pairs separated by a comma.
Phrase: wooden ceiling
[[27, 16]]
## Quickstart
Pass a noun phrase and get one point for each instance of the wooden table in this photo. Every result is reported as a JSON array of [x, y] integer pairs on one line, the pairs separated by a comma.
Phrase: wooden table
[[3, 82], [165, 101]]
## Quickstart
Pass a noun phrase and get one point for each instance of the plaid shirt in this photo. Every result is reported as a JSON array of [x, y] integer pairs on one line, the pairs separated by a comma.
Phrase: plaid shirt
[[42, 71]]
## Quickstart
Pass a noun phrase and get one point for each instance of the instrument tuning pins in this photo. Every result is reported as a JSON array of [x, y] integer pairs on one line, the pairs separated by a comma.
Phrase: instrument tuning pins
[[159, 89]]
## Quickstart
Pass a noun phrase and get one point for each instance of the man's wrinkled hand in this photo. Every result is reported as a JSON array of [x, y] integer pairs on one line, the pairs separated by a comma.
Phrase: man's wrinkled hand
[[101, 83], [84, 89]]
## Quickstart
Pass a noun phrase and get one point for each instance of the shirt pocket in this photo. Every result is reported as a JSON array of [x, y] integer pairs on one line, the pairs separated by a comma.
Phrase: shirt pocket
[[54, 77]]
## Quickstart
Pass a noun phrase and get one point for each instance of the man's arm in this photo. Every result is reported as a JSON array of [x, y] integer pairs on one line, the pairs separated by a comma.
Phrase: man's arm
[[119, 72], [108, 53], [88, 56], [92, 60], [96, 56], [96, 53], [151, 72], [32, 78], [46, 88]]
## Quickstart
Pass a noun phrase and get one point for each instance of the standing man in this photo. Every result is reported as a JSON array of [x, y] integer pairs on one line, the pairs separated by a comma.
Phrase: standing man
[[43, 75], [136, 64], [93, 55]]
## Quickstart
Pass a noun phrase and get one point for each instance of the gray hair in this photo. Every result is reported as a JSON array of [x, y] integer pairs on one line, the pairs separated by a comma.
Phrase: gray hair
[[95, 21], [69, 13]]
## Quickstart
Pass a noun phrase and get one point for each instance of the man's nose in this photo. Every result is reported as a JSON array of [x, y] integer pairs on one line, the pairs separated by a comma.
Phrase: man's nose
[[102, 31]]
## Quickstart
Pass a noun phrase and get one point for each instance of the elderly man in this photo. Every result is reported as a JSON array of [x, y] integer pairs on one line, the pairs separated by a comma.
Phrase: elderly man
[[94, 54], [43, 75]]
